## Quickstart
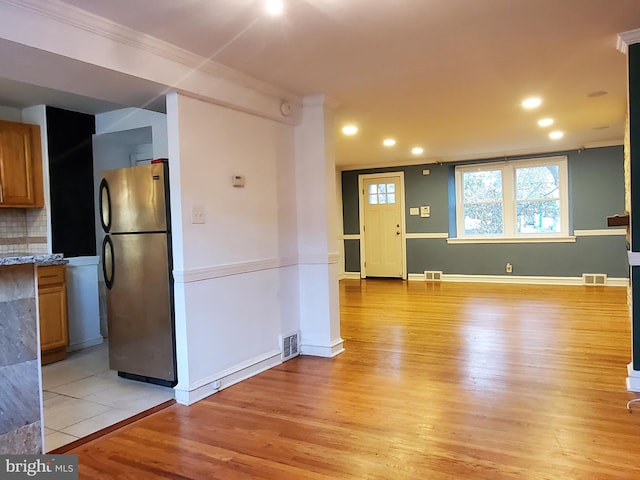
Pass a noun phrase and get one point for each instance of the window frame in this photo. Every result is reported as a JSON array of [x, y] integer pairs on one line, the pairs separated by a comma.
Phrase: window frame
[[509, 211]]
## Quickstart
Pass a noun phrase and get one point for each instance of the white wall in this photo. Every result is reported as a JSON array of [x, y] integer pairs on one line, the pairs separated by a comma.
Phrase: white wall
[[132, 118], [235, 275], [11, 114]]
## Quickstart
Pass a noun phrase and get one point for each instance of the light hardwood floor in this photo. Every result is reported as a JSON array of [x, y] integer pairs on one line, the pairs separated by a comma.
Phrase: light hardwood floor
[[438, 381]]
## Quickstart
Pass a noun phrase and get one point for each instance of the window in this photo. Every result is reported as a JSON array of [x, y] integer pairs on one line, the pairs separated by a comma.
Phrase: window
[[382, 193], [513, 199]]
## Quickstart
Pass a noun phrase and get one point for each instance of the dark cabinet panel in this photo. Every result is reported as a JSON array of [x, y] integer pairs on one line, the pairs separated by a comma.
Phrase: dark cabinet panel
[[71, 182]]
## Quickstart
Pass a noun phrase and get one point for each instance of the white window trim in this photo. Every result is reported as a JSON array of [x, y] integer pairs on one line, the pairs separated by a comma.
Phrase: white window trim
[[509, 204]]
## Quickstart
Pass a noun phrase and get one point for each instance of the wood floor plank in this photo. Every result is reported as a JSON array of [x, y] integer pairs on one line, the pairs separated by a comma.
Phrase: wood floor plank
[[438, 381]]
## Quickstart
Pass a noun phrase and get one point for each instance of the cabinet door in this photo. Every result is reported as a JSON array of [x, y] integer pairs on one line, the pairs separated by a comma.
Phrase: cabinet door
[[20, 165], [53, 317]]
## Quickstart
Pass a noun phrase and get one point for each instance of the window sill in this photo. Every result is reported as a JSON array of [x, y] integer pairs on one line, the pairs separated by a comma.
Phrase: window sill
[[570, 239]]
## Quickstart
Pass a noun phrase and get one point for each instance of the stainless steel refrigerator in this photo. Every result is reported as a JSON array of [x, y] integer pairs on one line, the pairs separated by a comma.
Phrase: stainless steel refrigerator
[[137, 267]]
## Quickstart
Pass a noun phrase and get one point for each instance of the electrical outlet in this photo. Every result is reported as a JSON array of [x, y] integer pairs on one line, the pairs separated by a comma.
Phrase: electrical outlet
[[509, 268]]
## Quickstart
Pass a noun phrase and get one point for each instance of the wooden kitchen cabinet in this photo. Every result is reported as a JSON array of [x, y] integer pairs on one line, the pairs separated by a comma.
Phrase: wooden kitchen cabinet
[[20, 166], [52, 303]]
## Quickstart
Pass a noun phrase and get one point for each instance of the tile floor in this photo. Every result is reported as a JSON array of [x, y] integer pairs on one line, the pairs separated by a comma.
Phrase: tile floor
[[81, 396]]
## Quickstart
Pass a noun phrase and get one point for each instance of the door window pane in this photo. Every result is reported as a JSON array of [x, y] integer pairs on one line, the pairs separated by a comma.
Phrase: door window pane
[[382, 193]]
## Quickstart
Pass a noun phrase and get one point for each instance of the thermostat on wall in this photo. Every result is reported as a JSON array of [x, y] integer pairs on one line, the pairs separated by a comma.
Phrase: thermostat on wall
[[237, 180]]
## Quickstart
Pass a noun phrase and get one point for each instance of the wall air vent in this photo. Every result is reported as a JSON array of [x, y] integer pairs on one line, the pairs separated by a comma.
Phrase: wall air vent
[[594, 278], [290, 346], [432, 276]]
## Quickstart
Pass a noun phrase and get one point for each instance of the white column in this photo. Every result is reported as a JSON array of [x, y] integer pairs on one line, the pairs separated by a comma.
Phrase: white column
[[317, 230]]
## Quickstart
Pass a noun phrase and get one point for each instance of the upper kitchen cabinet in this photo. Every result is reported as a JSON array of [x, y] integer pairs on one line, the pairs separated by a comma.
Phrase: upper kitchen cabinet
[[20, 166]]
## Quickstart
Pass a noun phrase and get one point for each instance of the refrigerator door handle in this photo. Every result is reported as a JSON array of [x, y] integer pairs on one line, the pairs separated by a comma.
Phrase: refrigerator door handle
[[105, 205], [108, 264]]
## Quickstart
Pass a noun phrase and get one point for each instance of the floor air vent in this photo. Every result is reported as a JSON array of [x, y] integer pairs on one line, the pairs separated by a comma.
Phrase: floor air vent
[[594, 278], [290, 346], [432, 276]]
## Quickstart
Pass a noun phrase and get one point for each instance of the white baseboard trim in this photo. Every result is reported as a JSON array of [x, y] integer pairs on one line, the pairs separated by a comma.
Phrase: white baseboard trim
[[219, 381], [351, 275], [633, 380], [85, 344], [415, 277], [519, 279], [328, 351]]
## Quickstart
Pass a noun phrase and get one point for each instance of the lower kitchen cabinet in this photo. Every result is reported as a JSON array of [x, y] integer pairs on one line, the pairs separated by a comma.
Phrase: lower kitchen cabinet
[[52, 304]]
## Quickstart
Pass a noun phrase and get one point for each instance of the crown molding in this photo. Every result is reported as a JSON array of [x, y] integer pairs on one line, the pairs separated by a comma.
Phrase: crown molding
[[511, 155], [75, 17], [628, 38]]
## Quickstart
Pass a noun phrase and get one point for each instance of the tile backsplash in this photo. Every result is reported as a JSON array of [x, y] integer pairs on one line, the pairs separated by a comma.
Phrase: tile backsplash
[[23, 230]]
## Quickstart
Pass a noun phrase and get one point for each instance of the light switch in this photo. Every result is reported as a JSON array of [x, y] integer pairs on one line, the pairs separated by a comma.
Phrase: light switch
[[425, 211], [414, 211], [197, 215]]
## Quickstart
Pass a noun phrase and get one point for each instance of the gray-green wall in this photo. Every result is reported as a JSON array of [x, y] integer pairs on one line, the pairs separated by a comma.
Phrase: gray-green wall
[[596, 191]]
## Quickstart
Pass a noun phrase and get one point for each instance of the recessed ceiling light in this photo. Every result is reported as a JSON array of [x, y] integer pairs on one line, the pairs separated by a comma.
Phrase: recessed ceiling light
[[556, 135], [274, 7], [532, 102], [349, 130], [389, 142], [545, 122], [597, 93], [417, 150]]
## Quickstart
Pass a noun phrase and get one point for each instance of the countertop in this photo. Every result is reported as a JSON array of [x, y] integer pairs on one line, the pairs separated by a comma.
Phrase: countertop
[[39, 259]]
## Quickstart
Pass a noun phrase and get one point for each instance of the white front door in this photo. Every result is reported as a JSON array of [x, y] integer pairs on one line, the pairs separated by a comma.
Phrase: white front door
[[383, 226]]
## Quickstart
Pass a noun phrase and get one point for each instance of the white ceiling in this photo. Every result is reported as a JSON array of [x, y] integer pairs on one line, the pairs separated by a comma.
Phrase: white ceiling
[[448, 75]]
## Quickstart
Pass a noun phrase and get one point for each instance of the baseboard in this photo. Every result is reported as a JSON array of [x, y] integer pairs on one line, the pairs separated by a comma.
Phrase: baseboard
[[350, 275], [416, 277], [633, 380], [519, 279], [328, 351], [85, 344], [231, 376]]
